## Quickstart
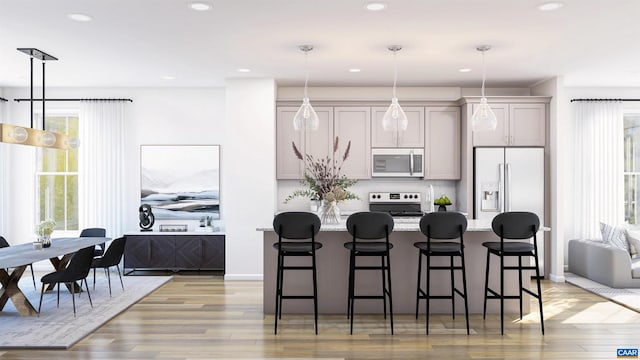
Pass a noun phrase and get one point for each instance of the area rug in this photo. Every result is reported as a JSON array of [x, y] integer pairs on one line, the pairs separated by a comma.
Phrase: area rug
[[56, 328], [629, 298]]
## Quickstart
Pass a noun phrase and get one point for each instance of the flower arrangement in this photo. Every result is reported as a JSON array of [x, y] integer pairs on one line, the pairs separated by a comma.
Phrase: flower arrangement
[[322, 177], [45, 228]]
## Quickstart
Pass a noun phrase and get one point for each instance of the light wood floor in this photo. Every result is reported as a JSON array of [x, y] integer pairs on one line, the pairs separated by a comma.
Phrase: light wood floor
[[197, 317]]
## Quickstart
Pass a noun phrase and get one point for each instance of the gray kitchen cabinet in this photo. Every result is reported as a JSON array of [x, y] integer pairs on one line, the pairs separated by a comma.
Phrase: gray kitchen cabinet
[[442, 143], [174, 252], [316, 143], [353, 123], [518, 125], [413, 137]]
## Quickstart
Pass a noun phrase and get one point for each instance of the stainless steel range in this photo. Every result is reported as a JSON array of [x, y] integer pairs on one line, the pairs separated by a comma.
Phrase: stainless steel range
[[400, 204]]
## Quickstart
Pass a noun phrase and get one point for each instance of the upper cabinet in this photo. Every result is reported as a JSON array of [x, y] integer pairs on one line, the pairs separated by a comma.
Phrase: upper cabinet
[[442, 143], [317, 143], [413, 137], [353, 123], [518, 125]]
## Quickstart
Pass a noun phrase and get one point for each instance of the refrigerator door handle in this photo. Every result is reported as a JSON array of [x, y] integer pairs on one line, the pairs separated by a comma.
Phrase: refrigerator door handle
[[508, 190], [501, 187]]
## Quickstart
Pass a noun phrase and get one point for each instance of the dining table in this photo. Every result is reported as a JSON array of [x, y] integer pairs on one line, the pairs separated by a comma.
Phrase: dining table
[[15, 259]]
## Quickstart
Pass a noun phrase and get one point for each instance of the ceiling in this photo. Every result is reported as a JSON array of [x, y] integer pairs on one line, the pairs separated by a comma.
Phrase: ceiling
[[138, 42]]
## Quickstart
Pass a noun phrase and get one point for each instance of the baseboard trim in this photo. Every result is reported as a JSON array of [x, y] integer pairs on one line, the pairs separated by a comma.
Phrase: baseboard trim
[[244, 277], [556, 278]]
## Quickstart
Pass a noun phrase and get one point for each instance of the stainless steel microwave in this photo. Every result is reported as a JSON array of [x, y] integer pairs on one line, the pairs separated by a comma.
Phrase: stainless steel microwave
[[392, 162]]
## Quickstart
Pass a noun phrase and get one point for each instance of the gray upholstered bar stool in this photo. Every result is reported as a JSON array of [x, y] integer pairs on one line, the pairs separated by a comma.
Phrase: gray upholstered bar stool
[[367, 230], [301, 228], [442, 226], [518, 225]]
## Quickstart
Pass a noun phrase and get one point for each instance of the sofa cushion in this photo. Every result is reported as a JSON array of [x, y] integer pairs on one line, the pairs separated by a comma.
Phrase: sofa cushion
[[633, 238], [614, 236], [635, 268]]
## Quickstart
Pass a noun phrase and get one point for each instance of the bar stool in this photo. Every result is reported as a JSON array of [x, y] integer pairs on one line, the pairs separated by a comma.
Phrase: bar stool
[[442, 226], [297, 226], [513, 225], [370, 227]]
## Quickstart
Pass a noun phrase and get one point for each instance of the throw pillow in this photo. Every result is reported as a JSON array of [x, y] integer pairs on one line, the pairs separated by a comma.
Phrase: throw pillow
[[614, 236], [633, 238]]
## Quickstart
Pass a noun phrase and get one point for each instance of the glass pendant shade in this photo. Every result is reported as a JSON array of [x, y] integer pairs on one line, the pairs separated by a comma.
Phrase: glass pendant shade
[[48, 138], [394, 119], [306, 117], [484, 119], [19, 134]]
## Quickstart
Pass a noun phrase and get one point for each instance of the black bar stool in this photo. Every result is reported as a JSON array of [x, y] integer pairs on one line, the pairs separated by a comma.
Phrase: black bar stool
[[297, 226], [513, 225], [370, 226], [442, 226]]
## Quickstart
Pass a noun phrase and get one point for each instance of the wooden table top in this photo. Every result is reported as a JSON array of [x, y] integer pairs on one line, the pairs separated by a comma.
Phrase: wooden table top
[[24, 254]]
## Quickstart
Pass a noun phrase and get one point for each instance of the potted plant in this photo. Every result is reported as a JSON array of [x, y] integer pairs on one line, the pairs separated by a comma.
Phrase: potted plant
[[44, 230], [323, 182], [442, 201]]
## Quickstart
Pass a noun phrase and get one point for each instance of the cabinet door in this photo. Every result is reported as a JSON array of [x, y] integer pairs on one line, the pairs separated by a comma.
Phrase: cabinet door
[[499, 137], [413, 137], [137, 252], [213, 252], [319, 143], [442, 143], [188, 252], [162, 251], [354, 124], [527, 124], [288, 166]]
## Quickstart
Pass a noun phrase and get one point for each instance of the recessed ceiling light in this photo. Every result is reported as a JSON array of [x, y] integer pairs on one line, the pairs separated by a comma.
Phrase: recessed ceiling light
[[200, 6], [550, 6], [243, 70], [375, 6], [80, 17], [465, 70], [168, 77], [355, 70]]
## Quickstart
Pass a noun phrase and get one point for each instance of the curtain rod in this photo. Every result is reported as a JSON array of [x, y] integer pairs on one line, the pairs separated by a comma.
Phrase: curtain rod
[[572, 100], [3, 99], [19, 100]]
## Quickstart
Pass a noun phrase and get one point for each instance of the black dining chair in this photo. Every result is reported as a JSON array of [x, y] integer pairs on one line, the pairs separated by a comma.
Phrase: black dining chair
[[112, 257], [300, 229], [517, 225], [77, 270], [95, 232], [3, 244], [370, 237]]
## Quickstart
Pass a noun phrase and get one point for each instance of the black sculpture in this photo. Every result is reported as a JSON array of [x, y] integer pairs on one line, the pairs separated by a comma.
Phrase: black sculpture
[[146, 217]]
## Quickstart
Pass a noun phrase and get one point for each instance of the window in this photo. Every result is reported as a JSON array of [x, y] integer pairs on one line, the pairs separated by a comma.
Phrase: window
[[57, 176], [632, 167]]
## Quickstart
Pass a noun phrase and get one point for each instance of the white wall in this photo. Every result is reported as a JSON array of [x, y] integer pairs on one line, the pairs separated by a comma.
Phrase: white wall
[[249, 174], [175, 116]]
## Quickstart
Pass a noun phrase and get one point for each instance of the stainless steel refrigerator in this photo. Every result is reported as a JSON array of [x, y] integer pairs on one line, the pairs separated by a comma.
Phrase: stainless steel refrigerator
[[509, 179]]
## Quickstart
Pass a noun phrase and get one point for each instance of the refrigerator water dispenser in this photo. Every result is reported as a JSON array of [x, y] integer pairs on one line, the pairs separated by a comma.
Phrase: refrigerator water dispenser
[[490, 200]]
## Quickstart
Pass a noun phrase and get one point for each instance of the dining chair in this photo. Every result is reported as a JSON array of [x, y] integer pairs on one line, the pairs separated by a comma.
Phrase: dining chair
[[77, 270], [95, 232], [3, 244], [112, 257]]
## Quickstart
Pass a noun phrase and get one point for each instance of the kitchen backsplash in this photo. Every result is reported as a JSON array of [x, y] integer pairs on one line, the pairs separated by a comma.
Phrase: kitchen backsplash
[[363, 187]]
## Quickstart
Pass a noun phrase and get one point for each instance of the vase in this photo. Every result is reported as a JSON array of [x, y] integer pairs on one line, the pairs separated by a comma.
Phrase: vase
[[45, 240], [329, 212]]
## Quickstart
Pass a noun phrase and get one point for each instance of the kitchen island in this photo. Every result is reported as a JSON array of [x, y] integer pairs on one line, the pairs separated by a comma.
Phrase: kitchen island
[[333, 269]]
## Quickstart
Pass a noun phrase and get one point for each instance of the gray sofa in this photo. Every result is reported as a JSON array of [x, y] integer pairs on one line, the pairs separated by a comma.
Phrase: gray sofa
[[605, 264]]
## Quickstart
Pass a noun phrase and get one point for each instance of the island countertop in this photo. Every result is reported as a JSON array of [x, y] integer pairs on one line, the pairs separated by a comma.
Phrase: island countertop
[[406, 224]]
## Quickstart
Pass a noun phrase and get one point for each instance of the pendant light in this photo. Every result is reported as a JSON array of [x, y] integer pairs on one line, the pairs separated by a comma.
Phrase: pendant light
[[394, 119], [306, 117], [483, 118]]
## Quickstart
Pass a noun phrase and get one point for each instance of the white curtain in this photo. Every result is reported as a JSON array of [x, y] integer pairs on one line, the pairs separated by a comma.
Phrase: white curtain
[[598, 167], [3, 172], [101, 166]]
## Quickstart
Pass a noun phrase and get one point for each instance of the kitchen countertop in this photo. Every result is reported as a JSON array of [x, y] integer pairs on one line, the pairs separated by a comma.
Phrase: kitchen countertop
[[407, 224]]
